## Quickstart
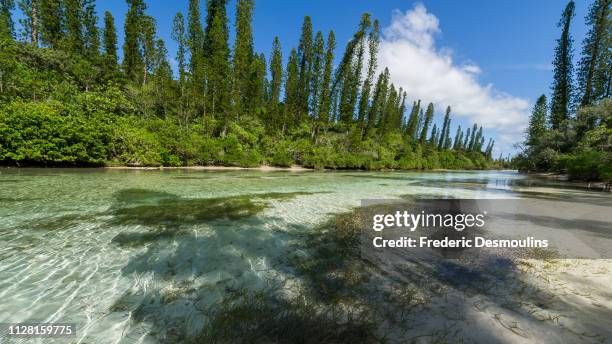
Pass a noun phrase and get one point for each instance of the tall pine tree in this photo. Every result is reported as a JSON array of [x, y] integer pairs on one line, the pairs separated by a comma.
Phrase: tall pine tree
[[537, 122], [348, 77], [445, 130], [110, 41], [52, 23], [179, 35], [318, 66], [276, 82], [429, 113], [256, 86], [458, 138], [359, 58], [132, 53], [218, 63], [413, 121], [195, 43], [305, 56], [91, 34], [364, 101], [243, 56], [291, 90], [74, 25], [466, 141], [594, 68], [325, 97], [148, 47], [7, 27], [31, 21], [473, 137], [562, 85], [434, 137]]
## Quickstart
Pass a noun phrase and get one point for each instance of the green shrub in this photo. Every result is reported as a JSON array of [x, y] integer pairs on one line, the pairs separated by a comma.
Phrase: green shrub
[[51, 133], [136, 146], [589, 165]]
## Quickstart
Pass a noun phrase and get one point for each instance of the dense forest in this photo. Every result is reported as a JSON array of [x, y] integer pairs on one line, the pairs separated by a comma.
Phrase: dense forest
[[66, 99], [573, 133]]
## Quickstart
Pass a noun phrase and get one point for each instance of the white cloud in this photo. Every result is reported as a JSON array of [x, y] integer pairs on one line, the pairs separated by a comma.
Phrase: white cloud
[[427, 72]]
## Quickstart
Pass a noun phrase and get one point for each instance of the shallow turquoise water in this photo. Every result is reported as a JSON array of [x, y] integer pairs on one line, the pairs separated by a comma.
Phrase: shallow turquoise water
[[133, 255]]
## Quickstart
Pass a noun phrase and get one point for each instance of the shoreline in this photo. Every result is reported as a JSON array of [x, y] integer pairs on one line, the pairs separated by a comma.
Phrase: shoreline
[[294, 168], [563, 178]]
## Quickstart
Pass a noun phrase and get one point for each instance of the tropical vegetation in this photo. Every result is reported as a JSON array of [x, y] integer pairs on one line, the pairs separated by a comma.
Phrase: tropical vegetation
[[66, 99], [573, 132]]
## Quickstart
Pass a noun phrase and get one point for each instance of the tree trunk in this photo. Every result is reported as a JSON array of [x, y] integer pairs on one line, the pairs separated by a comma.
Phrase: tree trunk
[[144, 74], [34, 30], [225, 124]]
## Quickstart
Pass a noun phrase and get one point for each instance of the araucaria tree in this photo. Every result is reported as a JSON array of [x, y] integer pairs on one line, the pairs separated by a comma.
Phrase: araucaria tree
[[575, 138], [305, 54], [562, 87], [537, 122], [7, 27], [426, 122], [276, 83], [594, 72], [132, 52], [218, 105], [324, 101], [109, 40], [218, 65], [242, 57]]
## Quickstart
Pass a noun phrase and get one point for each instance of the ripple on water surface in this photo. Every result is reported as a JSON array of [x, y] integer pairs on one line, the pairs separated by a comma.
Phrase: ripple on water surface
[[144, 254]]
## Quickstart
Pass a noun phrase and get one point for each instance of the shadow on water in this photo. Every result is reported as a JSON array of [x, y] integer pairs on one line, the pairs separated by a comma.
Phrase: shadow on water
[[402, 289], [246, 282], [166, 215], [216, 270], [600, 228], [589, 197], [222, 276], [199, 267]]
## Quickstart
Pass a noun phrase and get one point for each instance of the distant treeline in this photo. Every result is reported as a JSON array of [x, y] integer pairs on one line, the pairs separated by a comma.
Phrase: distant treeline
[[573, 134], [65, 99]]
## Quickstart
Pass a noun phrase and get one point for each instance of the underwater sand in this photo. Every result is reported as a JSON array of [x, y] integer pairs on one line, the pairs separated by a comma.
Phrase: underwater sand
[[142, 256]]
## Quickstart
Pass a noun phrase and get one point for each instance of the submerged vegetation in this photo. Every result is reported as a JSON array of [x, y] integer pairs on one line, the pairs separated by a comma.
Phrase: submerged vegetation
[[65, 99], [166, 264], [165, 215], [260, 317], [573, 134], [338, 295]]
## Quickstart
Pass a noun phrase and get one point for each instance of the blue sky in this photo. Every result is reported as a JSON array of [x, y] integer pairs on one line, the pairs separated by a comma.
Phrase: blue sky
[[509, 42]]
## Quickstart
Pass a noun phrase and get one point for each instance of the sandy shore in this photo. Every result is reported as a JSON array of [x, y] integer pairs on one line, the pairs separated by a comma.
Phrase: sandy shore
[[563, 178], [294, 168]]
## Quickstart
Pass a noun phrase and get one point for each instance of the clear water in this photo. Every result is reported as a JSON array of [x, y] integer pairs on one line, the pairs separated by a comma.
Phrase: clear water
[[135, 255]]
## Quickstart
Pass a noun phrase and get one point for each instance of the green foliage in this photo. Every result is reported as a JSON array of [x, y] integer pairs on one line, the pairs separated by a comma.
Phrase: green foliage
[[69, 103], [537, 122], [132, 46], [135, 146], [52, 134], [593, 75], [110, 40], [579, 145], [218, 64], [7, 27], [589, 155], [242, 56], [563, 70], [51, 31], [587, 165]]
